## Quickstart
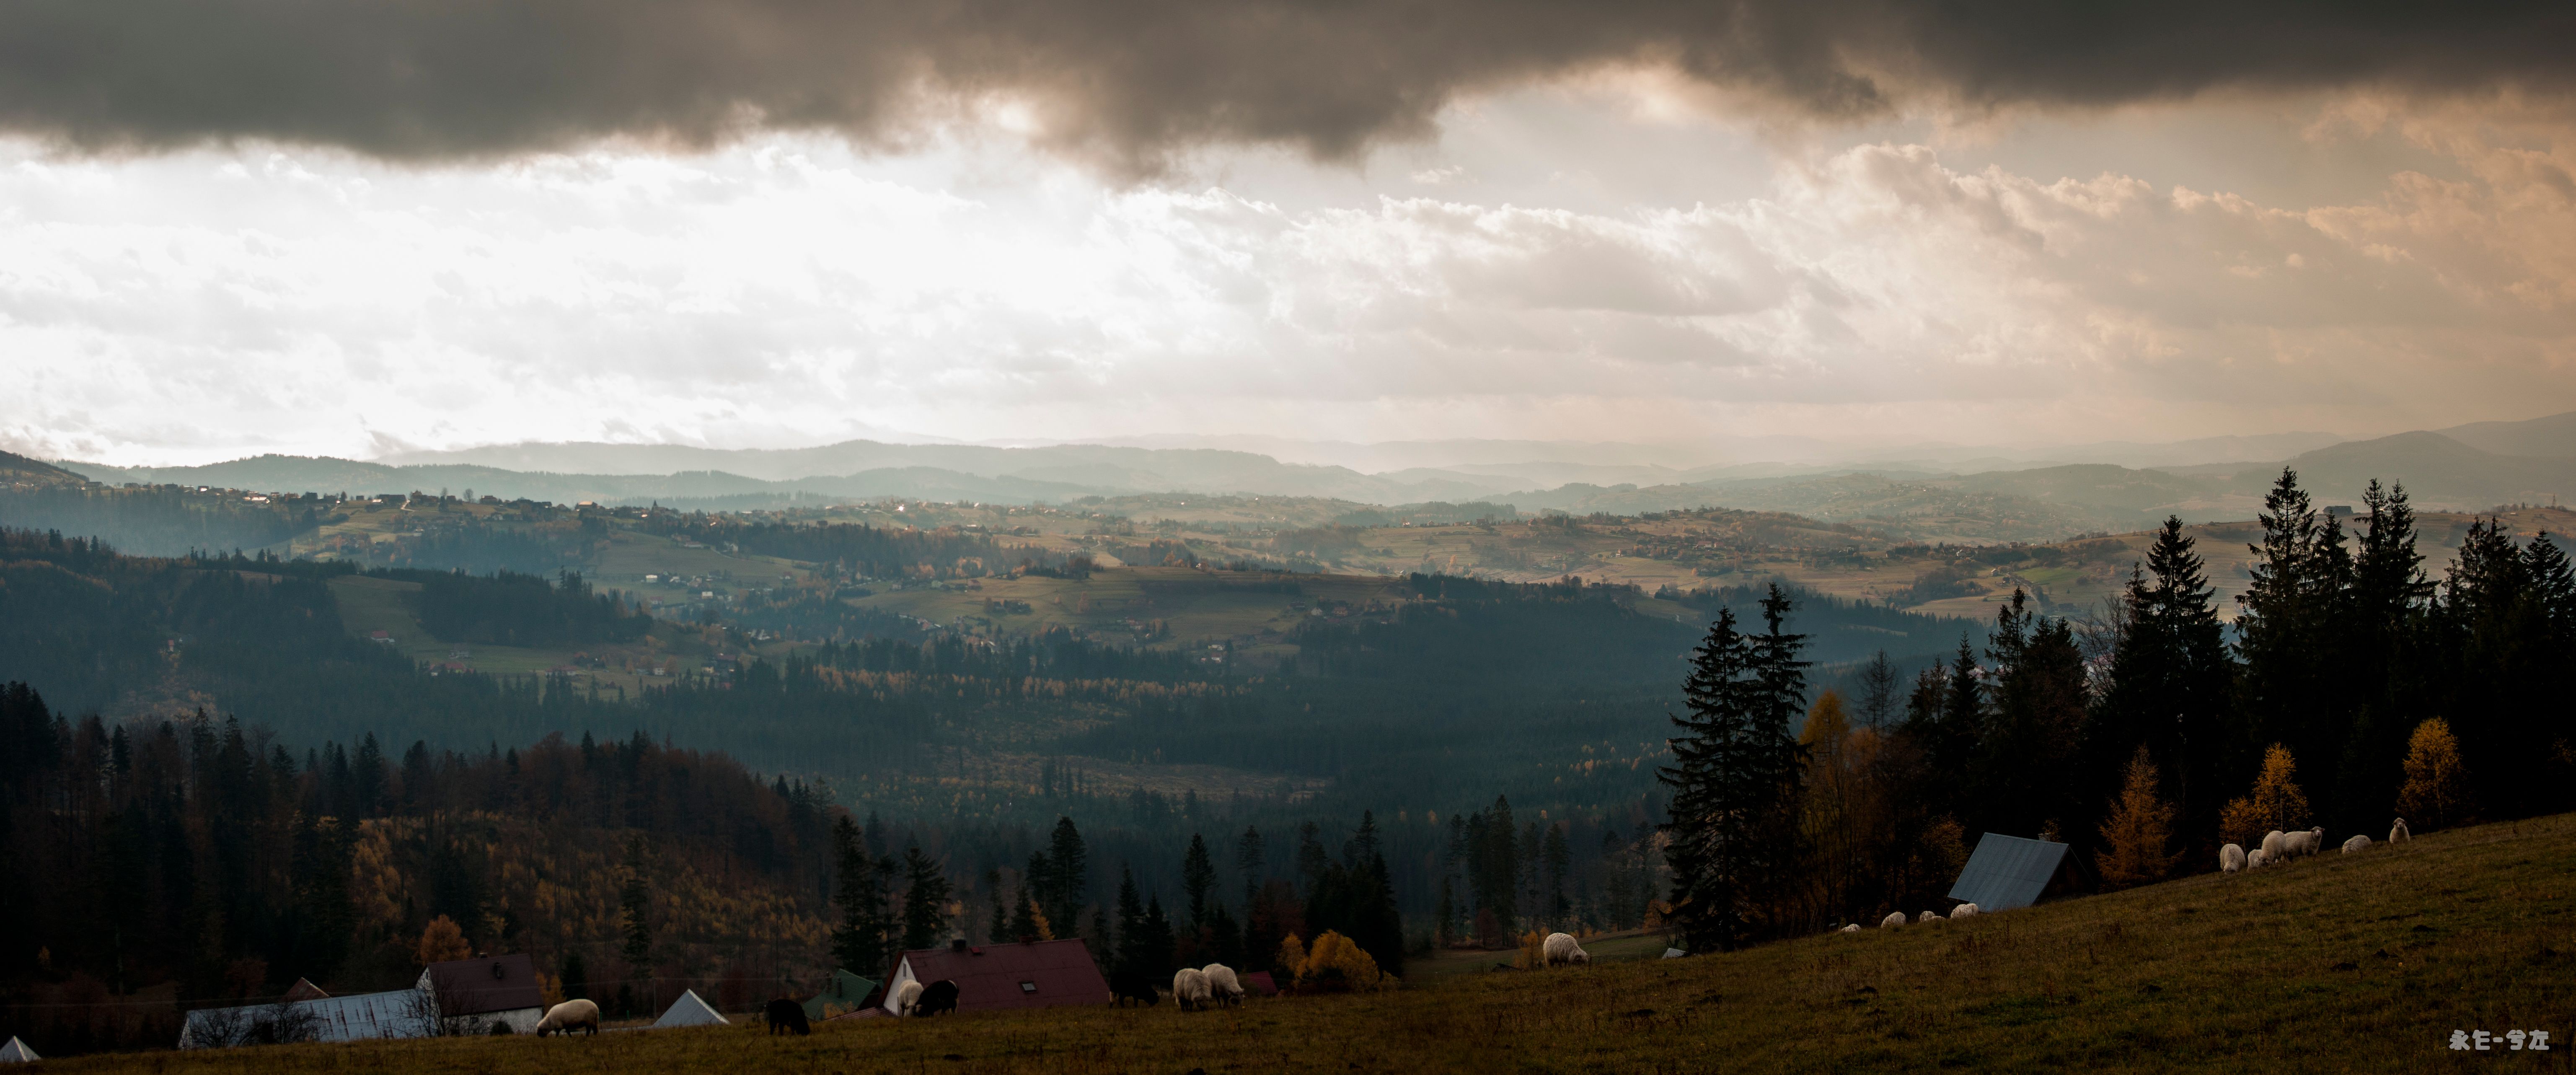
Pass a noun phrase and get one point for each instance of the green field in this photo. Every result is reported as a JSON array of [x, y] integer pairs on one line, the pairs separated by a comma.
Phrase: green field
[[2338, 963]]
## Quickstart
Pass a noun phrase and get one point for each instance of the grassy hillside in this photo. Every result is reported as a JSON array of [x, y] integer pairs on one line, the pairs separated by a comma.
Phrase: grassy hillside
[[2340, 963]]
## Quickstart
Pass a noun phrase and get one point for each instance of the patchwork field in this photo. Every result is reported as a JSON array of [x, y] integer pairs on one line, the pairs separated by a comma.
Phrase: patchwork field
[[2366, 962]]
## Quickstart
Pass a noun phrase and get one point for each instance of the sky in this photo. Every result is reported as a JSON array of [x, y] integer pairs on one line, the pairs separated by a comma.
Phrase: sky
[[240, 226]]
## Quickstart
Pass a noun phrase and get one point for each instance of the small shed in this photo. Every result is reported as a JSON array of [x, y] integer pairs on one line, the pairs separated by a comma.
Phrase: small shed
[[842, 993], [690, 1011], [470, 995], [997, 977], [17, 1052], [2007, 872]]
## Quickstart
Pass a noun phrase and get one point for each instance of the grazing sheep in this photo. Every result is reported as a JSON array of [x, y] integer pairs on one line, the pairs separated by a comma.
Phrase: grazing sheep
[[1927, 916], [570, 1016], [2316, 841], [2397, 833], [2275, 845], [937, 998], [1223, 986], [1964, 910], [2257, 859], [1853, 928], [2231, 858], [1893, 920], [1562, 950], [907, 997], [2357, 843], [1190, 989], [786, 1016], [1130, 985]]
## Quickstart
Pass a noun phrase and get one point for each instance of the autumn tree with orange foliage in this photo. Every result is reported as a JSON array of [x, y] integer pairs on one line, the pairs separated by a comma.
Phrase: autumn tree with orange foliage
[[442, 941], [2138, 832], [2275, 804], [2436, 792]]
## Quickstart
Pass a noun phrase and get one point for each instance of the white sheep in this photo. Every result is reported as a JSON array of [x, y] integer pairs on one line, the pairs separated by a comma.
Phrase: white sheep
[[1927, 916], [1893, 920], [1223, 986], [2276, 845], [1853, 928], [907, 997], [2397, 833], [2357, 843], [1964, 910], [2258, 859], [570, 1016], [1562, 950], [2231, 858], [2317, 840], [1190, 989]]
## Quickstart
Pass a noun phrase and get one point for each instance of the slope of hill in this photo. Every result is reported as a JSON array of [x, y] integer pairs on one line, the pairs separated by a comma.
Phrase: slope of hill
[[2366, 962], [2438, 471], [20, 470], [2551, 437]]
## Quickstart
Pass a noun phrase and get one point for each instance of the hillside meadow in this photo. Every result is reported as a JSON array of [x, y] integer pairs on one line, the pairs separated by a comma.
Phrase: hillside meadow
[[2361, 962]]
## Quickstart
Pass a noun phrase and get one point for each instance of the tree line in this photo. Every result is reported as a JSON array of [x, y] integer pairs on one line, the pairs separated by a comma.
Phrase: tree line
[[2350, 688]]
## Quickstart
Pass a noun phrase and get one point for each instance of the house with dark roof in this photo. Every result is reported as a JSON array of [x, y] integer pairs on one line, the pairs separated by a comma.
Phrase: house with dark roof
[[996, 977], [470, 995]]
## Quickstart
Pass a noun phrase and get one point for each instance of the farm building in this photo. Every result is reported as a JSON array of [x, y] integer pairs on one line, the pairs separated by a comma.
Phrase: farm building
[[470, 995], [689, 1011], [359, 1016], [844, 993], [1029, 974]]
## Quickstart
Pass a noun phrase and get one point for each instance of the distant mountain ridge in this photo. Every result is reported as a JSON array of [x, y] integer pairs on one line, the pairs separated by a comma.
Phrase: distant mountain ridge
[[2440, 469]]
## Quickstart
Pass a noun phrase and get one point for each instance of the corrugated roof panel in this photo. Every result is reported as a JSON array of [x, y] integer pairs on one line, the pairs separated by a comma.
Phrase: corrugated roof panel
[[2007, 872]]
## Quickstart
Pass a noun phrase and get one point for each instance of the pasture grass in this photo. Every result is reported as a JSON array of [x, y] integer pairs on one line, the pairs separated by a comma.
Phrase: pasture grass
[[2337, 963]]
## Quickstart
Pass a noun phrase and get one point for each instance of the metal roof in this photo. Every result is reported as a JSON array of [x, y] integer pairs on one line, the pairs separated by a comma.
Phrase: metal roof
[[2007, 872], [1035, 974]]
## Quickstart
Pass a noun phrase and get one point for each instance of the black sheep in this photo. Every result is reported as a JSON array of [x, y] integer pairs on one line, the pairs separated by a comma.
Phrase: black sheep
[[1132, 985], [940, 996], [785, 1015]]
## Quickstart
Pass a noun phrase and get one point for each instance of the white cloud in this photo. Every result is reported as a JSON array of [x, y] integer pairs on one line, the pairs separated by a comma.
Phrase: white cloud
[[788, 291]]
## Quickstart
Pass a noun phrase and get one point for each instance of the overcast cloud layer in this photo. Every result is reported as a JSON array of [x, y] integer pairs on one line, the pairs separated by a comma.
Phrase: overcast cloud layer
[[1131, 81], [1556, 265]]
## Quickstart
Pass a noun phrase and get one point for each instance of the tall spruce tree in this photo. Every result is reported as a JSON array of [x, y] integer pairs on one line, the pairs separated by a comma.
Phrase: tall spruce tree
[[1734, 778], [1068, 875], [2028, 776], [1135, 956], [2292, 629], [925, 900], [1198, 878], [2171, 687], [858, 943], [2384, 641]]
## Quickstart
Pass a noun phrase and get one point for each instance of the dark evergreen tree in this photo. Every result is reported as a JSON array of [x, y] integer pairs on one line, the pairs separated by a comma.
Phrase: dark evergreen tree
[[2170, 688], [2385, 641], [859, 942], [1134, 951], [925, 900], [1735, 778], [2028, 774], [1156, 948], [1068, 873], [1198, 878], [1249, 858], [2296, 683]]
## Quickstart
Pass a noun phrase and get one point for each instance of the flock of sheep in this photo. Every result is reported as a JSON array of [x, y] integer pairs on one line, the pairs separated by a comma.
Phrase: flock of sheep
[[2279, 847], [1897, 918]]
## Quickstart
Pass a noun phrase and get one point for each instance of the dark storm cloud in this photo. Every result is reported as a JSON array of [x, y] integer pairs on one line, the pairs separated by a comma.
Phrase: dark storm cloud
[[1136, 79]]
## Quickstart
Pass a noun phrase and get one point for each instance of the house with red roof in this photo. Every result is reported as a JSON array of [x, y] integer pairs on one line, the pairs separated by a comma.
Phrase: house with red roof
[[995, 977]]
